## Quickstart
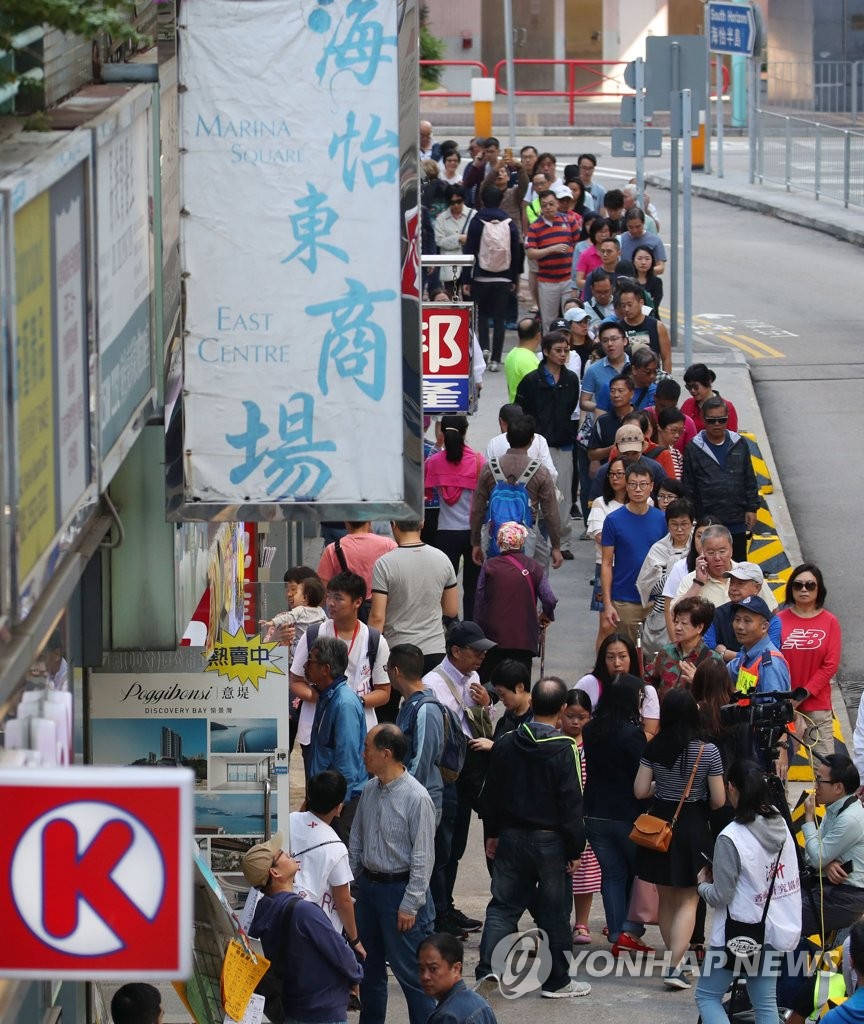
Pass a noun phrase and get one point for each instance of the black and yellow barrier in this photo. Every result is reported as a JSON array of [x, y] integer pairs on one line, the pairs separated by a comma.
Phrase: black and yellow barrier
[[760, 466]]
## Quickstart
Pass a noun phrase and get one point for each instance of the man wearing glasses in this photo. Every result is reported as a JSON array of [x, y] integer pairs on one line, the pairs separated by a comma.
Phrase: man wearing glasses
[[834, 849], [628, 535], [719, 476]]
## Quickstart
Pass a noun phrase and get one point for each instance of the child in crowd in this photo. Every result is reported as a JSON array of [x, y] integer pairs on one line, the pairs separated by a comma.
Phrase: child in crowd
[[586, 878], [306, 610]]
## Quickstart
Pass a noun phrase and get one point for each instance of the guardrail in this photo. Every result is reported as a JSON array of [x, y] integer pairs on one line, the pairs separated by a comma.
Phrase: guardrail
[[810, 157], [823, 86], [484, 73], [585, 79]]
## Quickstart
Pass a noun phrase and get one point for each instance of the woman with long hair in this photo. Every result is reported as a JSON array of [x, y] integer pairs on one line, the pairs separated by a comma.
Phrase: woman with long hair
[[674, 757], [812, 645], [453, 473], [643, 261], [744, 876], [618, 655], [575, 715], [614, 743]]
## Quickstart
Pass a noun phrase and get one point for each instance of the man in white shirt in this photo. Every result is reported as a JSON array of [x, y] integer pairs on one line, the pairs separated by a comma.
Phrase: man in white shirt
[[325, 875], [538, 449], [456, 684], [346, 591]]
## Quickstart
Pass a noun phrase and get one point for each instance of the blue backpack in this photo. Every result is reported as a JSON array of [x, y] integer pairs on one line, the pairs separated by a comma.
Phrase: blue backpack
[[509, 502], [455, 747]]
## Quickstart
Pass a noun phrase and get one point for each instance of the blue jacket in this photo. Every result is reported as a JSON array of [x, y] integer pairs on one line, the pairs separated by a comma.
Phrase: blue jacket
[[462, 1006], [315, 962], [763, 659], [339, 735]]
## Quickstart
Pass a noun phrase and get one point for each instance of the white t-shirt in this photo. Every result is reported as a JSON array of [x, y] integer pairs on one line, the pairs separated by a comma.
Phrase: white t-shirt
[[673, 581], [359, 677], [323, 859], [590, 684], [538, 449]]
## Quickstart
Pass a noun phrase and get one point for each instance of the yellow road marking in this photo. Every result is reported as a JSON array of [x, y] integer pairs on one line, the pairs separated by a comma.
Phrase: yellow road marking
[[770, 351], [752, 346]]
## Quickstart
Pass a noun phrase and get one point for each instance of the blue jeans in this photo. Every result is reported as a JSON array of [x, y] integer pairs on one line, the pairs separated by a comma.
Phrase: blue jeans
[[376, 910], [714, 981], [610, 842], [530, 870]]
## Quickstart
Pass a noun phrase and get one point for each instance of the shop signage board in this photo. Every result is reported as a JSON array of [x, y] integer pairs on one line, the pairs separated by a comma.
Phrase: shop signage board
[[47, 213], [98, 868], [302, 382], [122, 139], [446, 333]]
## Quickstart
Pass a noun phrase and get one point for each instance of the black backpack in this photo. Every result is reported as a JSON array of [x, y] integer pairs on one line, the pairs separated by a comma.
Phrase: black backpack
[[455, 748]]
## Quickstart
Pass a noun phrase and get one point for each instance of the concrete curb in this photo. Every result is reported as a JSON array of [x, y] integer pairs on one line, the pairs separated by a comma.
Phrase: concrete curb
[[767, 208]]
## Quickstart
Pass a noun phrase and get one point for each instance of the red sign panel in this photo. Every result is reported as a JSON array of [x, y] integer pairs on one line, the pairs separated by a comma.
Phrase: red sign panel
[[97, 866], [446, 340]]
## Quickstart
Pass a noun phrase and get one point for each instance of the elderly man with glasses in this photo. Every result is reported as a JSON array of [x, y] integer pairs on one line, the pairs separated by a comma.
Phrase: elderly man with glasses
[[719, 476]]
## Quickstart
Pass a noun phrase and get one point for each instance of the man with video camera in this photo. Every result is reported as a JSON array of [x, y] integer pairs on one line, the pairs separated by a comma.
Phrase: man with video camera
[[834, 849]]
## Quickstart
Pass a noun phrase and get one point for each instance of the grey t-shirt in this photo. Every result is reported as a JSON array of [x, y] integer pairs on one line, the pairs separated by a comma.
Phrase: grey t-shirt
[[414, 578]]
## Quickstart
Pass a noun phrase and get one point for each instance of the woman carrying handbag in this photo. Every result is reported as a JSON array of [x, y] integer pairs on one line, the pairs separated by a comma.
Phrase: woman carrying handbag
[[755, 891], [681, 773]]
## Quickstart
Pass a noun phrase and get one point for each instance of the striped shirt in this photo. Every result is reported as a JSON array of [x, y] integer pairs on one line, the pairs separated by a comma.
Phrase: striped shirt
[[394, 831], [554, 266], [671, 782]]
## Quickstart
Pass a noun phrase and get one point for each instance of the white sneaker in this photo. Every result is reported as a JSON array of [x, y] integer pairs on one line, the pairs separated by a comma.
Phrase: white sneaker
[[572, 990], [487, 986]]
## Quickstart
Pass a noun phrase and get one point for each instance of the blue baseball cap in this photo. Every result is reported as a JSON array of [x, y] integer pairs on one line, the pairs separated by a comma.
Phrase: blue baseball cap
[[754, 604]]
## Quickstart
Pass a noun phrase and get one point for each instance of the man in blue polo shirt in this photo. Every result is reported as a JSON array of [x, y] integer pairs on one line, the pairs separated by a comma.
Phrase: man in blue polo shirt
[[628, 534], [598, 376]]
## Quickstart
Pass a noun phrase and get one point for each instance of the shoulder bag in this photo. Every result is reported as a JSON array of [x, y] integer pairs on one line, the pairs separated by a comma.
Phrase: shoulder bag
[[656, 833]]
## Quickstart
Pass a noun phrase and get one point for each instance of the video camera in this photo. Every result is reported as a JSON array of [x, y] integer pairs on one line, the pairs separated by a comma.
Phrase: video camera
[[771, 710]]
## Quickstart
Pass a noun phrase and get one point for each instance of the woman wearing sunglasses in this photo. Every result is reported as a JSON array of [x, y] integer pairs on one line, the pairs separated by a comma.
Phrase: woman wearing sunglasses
[[812, 644], [699, 381]]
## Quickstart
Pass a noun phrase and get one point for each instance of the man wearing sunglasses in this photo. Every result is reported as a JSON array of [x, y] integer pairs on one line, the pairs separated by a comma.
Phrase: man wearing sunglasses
[[719, 476]]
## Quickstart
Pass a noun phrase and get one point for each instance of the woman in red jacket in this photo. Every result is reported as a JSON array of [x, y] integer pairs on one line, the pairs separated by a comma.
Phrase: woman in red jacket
[[699, 381], [812, 643]]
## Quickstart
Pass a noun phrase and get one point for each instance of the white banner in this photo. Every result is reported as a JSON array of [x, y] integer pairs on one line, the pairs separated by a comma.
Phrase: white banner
[[291, 246]]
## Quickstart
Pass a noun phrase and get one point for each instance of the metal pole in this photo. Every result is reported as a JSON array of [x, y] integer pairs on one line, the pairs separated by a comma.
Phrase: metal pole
[[511, 80], [719, 115], [706, 28], [686, 117], [847, 160], [673, 221], [640, 131], [755, 64]]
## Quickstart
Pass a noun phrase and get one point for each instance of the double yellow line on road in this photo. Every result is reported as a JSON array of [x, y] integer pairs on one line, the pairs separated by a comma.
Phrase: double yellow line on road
[[752, 346]]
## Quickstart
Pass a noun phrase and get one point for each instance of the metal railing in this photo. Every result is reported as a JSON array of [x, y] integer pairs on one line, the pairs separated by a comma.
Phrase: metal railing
[[599, 78], [823, 86], [810, 157], [484, 73]]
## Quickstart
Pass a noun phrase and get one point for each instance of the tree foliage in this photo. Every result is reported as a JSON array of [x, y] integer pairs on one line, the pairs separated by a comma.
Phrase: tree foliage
[[431, 48], [82, 17]]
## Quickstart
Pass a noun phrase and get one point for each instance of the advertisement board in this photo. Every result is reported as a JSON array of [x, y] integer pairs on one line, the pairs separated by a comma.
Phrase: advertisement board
[[51, 473], [124, 263], [225, 724], [301, 389]]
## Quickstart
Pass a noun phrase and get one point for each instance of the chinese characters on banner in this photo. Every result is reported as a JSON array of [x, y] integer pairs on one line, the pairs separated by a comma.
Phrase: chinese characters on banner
[[292, 246], [446, 333]]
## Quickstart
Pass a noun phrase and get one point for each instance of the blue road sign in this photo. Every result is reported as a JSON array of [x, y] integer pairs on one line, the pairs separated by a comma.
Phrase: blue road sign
[[731, 28]]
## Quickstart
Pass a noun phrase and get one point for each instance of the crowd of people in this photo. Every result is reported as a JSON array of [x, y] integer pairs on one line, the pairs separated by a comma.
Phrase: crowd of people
[[420, 707]]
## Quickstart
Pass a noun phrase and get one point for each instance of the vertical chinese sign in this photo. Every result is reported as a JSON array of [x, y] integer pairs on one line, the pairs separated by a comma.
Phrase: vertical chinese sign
[[301, 343], [49, 444]]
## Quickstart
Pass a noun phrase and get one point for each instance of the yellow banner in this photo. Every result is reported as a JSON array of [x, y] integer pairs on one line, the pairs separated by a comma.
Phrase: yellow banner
[[34, 382]]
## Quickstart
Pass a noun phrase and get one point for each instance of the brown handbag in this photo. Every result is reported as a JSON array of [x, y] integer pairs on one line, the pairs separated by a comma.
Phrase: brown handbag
[[656, 833]]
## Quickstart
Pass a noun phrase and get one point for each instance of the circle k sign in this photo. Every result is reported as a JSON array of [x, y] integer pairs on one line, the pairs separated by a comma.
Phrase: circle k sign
[[99, 869]]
